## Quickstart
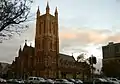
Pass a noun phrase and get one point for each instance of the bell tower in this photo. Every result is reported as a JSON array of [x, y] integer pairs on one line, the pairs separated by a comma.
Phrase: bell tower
[[46, 43]]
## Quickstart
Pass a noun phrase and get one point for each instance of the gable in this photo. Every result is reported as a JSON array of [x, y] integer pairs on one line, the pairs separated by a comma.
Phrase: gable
[[66, 57]]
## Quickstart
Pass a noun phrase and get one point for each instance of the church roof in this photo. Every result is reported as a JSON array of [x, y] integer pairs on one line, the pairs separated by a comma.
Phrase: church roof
[[31, 50], [66, 57], [44, 15]]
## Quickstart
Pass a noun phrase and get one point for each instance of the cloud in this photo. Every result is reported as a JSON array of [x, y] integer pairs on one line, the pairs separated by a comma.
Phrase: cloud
[[86, 36], [81, 39], [72, 40], [9, 48]]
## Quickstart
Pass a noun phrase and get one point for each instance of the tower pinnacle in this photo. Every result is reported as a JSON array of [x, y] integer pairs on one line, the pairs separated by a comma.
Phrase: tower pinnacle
[[72, 54], [20, 49], [30, 44], [47, 8], [19, 52], [25, 42], [38, 11], [56, 12]]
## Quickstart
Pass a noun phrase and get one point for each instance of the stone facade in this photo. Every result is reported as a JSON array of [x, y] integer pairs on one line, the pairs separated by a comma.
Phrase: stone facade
[[45, 60], [47, 43], [111, 59]]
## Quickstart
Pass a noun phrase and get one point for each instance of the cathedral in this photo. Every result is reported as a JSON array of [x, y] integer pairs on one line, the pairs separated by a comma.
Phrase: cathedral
[[44, 60]]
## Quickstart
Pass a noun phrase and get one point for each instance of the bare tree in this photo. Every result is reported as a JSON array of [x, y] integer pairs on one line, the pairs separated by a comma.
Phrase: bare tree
[[88, 61], [12, 14], [1, 69], [81, 58]]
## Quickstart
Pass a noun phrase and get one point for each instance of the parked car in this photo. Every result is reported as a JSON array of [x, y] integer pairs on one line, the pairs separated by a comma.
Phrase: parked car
[[72, 80], [78, 81], [35, 80], [75, 81], [61, 81], [113, 80], [41, 80], [99, 81], [12, 81], [2, 80], [20, 81], [49, 81]]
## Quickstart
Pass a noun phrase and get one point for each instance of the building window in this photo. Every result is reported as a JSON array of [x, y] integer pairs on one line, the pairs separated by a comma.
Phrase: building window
[[40, 44], [43, 43], [40, 28], [44, 26], [50, 27], [55, 45], [117, 49], [51, 45], [38, 60], [54, 28]]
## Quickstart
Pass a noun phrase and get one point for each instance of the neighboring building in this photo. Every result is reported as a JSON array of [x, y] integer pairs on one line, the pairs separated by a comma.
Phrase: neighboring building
[[45, 60], [4, 67], [111, 59]]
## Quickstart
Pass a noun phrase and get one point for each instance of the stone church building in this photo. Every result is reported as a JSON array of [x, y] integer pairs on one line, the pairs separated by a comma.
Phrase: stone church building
[[44, 59]]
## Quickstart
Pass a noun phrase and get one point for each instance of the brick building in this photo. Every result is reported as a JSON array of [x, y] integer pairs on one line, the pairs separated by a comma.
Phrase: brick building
[[44, 59], [111, 59]]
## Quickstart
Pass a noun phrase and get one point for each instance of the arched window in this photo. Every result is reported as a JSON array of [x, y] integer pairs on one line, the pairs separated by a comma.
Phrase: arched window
[[50, 27], [44, 27], [54, 28], [42, 43], [40, 28], [51, 45], [54, 45], [39, 46]]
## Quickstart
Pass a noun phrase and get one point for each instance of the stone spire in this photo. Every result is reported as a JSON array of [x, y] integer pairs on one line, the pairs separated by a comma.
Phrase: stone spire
[[25, 42], [56, 11], [20, 49], [47, 8], [38, 12], [30, 44], [72, 54]]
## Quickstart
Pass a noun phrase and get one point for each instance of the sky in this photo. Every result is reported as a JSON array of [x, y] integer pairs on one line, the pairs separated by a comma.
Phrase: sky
[[84, 26]]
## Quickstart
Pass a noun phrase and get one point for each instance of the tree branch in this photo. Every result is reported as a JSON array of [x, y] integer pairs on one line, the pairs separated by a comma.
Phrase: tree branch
[[12, 14]]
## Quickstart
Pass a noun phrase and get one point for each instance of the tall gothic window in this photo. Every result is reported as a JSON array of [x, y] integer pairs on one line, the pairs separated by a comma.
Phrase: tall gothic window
[[40, 44], [54, 45], [43, 43], [116, 48], [51, 45], [50, 27], [54, 28], [40, 28], [44, 26], [38, 59]]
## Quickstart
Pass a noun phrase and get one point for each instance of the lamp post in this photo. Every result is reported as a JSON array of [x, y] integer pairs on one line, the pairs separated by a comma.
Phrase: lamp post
[[92, 65], [92, 61]]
